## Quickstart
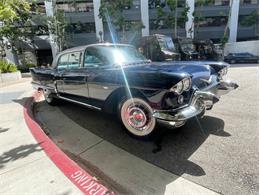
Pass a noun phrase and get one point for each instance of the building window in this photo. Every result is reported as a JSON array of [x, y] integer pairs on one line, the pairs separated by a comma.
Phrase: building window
[[75, 7], [218, 2], [249, 1], [162, 24], [162, 3], [81, 28], [213, 21], [249, 20], [131, 25]]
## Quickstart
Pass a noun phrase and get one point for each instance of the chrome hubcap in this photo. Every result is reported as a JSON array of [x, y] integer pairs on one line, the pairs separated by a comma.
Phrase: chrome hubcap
[[47, 95], [136, 117]]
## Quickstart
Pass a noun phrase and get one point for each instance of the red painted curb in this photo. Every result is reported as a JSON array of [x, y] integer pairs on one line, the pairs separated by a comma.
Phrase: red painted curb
[[83, 180]]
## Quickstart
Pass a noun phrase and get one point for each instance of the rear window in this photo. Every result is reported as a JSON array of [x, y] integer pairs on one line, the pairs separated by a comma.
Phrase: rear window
[[69, 61]]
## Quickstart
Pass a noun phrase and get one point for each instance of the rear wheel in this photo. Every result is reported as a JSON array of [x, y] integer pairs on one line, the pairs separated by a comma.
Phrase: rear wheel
[[136, 116], [50, 97], [232, 61]]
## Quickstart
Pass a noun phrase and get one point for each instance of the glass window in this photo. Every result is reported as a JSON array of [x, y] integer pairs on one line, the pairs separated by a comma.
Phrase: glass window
[[166, 43], [69, 61], [249, 2], [112, 55], [91, 59], [74, 60], [63, 61]]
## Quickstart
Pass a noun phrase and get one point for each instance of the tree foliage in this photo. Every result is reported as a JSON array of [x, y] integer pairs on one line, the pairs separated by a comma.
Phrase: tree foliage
[[170, 18], [58, 26], [15, 16], [251, 20], [113, 10], [197, 14], [13, 10]]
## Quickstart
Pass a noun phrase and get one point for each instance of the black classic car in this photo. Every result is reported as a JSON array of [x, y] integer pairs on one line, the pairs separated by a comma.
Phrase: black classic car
[[116, 78], [158, 47], [187, 48], [246, 57], [207, 50]]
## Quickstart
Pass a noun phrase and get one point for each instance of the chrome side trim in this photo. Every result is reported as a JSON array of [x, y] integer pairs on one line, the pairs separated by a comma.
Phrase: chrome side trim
[[77, 102]]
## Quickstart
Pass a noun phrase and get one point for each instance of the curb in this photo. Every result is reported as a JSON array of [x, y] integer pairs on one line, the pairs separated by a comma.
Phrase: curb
[[83, 180], [10, 77]]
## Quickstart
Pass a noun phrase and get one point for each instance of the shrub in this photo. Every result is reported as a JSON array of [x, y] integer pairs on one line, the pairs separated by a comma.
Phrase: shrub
[[26, 67], [6, 67]]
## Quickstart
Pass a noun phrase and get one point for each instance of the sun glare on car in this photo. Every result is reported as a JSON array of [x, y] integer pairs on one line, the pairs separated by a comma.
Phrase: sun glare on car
[[119, 57]]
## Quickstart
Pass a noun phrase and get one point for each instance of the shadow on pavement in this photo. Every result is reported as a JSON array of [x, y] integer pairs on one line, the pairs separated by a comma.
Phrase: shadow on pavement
[[2, 130], [18, 153], [170, 149]]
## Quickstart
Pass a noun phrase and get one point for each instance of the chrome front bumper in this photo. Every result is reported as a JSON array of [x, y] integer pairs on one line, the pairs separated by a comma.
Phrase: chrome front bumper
[[201, 101]]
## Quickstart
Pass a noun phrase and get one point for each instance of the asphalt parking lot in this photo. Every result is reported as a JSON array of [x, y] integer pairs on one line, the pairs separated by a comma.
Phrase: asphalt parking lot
[[219, 152]]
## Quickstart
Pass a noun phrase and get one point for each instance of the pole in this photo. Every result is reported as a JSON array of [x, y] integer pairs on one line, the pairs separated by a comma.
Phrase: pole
[[175, 19]]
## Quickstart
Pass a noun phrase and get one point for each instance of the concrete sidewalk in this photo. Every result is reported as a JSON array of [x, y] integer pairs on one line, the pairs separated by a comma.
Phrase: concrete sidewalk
[[126, 173], [24, 167]]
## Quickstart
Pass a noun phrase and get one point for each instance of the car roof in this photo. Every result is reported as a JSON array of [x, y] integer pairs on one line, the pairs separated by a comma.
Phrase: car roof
[[242, 53], [83, 47]]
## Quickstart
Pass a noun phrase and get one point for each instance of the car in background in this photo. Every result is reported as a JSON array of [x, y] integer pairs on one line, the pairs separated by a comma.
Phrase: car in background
[[246, 57], [186, 48], [207, 50], [158, 48]]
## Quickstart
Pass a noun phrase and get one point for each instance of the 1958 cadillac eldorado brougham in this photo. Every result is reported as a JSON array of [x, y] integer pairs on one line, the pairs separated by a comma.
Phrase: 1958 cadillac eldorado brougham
[[116, 78]]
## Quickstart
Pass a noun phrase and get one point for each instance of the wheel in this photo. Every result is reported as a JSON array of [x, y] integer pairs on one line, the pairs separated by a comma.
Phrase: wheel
[[232, 62], [136, 116], [50, 98]]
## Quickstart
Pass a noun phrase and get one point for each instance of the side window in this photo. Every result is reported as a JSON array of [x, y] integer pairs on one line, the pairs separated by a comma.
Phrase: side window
[[63, 62], [74, 60], [91, 59]]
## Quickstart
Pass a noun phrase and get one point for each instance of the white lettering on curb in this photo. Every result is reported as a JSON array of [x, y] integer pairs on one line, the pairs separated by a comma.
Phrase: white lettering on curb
[[76, 174], [88, 183]]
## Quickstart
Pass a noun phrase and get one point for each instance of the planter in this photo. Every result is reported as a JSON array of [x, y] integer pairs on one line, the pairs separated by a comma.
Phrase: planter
[[10, 77]]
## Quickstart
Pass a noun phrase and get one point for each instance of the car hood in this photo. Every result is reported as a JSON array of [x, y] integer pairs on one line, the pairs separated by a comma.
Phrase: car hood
[[172, 72]]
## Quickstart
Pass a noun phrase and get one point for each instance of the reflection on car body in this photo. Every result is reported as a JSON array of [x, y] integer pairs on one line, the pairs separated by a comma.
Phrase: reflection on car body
[[116, 78]]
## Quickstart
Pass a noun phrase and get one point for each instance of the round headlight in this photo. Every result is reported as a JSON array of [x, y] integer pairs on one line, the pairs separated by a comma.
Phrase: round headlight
[[186, 84], [178, 88]]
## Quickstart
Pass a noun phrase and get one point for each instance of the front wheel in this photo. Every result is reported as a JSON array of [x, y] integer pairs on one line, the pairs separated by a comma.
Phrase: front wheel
[[136, 116]]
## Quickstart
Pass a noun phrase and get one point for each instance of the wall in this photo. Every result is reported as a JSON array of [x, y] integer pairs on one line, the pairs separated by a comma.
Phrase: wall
[[244, 46]]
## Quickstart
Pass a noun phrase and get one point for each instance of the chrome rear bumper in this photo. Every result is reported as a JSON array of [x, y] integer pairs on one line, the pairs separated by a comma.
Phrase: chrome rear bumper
[[201, 101]]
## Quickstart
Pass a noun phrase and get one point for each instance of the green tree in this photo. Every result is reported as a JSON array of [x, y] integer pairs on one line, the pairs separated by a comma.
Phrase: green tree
[[225, 37], [112, 11], [58, 27], [251, 20], [171, 18], [197, 14], [14, 16]]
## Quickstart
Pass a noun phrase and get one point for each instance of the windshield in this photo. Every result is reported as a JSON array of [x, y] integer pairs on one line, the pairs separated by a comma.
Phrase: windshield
[[166, 43], [187, 47], [117, 54]]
